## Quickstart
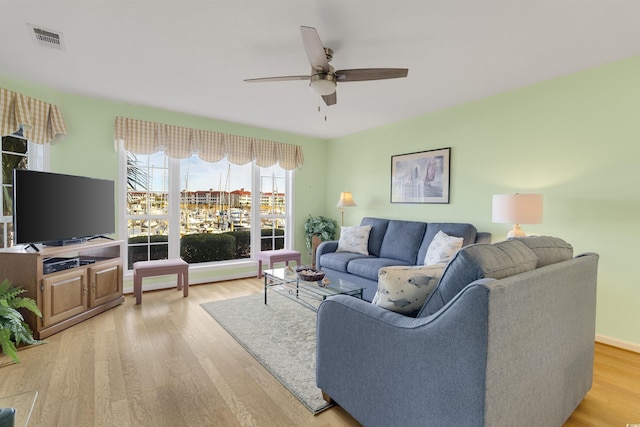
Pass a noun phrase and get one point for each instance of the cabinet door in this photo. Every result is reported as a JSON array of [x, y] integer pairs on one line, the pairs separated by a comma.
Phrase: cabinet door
[[65, 295], [106, 282]]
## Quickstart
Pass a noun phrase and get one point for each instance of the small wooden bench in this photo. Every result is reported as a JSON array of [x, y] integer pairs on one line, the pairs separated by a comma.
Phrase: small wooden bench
[[279, 255], [160, 267]]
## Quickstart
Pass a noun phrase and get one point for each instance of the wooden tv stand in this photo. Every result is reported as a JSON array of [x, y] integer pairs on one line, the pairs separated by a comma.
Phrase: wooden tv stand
[[72, 295]]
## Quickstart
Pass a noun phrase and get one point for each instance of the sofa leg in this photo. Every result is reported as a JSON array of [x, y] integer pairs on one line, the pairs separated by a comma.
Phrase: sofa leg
[[326, 397]]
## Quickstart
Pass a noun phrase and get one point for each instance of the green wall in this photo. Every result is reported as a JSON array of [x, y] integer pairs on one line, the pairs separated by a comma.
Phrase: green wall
[[574, 139], [88, 149]]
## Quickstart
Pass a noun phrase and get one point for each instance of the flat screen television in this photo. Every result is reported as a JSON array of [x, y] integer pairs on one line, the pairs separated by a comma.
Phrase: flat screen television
[[56, 209]]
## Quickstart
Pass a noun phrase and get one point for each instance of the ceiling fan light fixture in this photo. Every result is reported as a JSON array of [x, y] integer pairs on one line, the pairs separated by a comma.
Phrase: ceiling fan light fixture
[[323, 84], [323, 77]]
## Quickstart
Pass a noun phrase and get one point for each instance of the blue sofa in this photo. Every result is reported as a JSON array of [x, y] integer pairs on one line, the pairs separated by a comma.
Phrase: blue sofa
[[391, 243], [506, 338]]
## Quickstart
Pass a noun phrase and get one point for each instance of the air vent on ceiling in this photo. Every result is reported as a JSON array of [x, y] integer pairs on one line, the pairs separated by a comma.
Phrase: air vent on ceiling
[[45, 37]]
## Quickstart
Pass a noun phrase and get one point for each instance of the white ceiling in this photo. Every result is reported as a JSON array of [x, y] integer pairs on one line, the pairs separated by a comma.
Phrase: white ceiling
[[191, 56]]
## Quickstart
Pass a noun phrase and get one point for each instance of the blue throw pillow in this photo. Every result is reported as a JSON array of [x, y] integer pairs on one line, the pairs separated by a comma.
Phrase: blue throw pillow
[[402, 240], [378, 230]]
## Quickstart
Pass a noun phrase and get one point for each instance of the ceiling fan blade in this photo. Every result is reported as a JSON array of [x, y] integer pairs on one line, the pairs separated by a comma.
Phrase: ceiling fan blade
[[277, 79], [362, 74], [315, 49], [330, 99]]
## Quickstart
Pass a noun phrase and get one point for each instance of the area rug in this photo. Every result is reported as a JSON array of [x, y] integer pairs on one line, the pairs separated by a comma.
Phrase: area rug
[[280, 335]]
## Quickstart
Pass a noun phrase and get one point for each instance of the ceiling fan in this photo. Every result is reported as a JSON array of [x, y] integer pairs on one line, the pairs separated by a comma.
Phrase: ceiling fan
[[324, 77]]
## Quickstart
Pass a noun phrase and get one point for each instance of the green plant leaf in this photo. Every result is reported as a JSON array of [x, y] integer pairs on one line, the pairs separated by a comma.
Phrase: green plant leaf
[[13, 329], [8, 347], [27, 303], [320, 226], [8, 292]]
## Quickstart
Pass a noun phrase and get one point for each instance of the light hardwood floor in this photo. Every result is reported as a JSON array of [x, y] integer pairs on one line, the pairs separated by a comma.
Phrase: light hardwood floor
[[168, 363]]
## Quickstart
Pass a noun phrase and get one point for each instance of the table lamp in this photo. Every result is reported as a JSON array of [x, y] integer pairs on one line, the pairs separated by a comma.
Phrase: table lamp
[[517, 209]]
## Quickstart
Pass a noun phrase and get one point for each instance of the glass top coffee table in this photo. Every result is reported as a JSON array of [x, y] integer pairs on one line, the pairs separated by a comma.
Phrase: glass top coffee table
[[22, 403], [309, 294]]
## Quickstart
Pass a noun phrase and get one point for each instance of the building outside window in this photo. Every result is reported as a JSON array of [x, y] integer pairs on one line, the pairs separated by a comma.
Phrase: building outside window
[[203, 212]]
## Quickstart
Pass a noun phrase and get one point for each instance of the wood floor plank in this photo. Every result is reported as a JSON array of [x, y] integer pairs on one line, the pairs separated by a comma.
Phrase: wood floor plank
[[166, 362]]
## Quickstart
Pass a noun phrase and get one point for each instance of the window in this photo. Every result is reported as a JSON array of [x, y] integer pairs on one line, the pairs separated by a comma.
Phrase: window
[[203, 212], [18, 153], [273, 208], [147, 207]]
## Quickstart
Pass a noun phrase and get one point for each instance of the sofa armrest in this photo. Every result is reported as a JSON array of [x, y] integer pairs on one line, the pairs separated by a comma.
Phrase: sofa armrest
[[370, 359], [325, 248], [483, 237]]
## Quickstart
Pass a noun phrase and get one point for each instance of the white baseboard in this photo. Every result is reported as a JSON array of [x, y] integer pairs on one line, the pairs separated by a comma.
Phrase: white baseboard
[[618, 343], [170, 282]]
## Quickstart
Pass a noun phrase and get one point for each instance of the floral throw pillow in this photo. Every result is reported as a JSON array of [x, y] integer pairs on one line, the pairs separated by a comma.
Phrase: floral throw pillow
[[442, 248], [354, 239]]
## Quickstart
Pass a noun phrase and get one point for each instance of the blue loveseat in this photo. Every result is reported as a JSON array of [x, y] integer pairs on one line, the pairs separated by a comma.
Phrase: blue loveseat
[[391, 243], [505, 339]]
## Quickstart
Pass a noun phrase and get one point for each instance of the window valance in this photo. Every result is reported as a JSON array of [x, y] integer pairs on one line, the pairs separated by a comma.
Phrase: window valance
[[142, 137], [40, 121]]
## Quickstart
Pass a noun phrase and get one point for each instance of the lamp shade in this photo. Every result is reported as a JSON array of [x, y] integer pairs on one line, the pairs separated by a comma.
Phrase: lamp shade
[[517, 208], [345, 200]]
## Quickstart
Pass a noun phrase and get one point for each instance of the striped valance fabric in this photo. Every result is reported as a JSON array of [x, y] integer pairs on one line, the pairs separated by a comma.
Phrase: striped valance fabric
[[142, 137], [40, 121]]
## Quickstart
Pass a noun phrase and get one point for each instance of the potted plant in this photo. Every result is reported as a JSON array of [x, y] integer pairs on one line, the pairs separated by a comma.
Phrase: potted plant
[[13, 329], [317, 230]]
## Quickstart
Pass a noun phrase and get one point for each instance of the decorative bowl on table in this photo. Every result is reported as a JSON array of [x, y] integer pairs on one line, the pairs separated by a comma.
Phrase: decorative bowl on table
[[309, 274]]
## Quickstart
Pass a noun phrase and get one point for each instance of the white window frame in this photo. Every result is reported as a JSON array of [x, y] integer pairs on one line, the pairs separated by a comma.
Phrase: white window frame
[[39, 158], [174, 214]]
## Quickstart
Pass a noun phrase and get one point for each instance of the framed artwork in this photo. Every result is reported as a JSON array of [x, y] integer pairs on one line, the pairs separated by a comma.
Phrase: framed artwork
[[421, 177]]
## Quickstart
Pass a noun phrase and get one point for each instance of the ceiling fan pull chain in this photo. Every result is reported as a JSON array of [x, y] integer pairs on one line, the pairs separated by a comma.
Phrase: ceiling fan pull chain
[[320, 111]]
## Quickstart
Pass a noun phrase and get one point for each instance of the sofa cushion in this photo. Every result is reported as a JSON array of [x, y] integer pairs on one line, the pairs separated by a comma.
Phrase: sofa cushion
[[442, 248], [402, 240], [354, 239], [478, 261], [467, 231], [549, 250], [405, 289], [339, 260], [378, 229], [368, 266]]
